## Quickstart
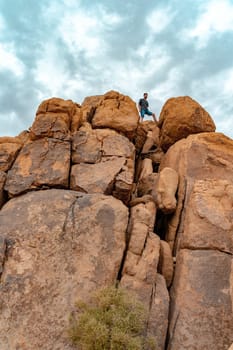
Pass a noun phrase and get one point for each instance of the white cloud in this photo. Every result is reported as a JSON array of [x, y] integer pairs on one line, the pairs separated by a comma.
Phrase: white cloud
[[11, 125], [50, 70], [79, 34], [130, 76], [225, 126], [159, 19], [168, 88], [10, 61], [216, 95], [217, 17], [83, 31], [222, 81], [228, 82]]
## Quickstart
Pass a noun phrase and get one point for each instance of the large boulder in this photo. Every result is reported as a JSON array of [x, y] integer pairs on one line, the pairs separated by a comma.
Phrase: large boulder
[[86, 147], [201, 301], [61, 245], [200, 235], [53, 119], [180, 117], [89, 106], [117, 112], [90, 146], [208, 221], [41, 163], [104, 162], [201, 156], [96, 178]]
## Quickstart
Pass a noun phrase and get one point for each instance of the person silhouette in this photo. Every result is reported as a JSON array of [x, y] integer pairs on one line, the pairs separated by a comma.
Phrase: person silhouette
[[143, 106]]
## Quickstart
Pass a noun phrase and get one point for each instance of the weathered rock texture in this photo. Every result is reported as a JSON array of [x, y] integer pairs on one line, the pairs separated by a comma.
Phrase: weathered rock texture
[[61, 246], [180, 117], [203, 156], [200, 234], [8, 153], [140, 269], [53, 119], [44, 162], [165, 190], [2, 183], [117, 112], [201, 307], [99, 202], [107, 157]]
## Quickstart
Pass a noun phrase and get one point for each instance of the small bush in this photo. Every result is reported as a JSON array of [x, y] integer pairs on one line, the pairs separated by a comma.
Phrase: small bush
[[112, 320]]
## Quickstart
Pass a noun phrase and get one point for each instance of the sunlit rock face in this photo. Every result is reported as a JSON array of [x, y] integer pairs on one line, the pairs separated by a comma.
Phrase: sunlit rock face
[[118, 112], [90, 197], [180, 117]]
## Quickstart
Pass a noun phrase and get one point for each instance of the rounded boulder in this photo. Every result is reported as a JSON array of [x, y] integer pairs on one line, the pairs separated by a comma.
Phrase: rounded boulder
[[180, 117]]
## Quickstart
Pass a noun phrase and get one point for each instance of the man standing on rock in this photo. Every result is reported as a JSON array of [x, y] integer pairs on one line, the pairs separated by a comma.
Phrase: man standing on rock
[[143, 106]]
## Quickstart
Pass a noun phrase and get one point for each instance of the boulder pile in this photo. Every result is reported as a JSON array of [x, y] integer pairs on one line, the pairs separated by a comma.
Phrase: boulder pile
[[90, 197]]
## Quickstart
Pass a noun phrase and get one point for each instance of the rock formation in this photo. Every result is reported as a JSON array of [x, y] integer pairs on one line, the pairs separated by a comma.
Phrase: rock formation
[[90, 197], [180, 117]]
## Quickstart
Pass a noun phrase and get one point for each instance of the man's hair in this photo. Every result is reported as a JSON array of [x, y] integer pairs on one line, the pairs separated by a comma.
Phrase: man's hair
[[145, 93]]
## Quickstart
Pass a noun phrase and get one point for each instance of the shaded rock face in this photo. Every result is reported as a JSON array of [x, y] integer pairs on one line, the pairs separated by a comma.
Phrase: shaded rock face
[[203, 156], [61, 246], [2, 184], [201, 306], [140, 269], [200, 234], [108, 158], [180, 117], [99, 202]]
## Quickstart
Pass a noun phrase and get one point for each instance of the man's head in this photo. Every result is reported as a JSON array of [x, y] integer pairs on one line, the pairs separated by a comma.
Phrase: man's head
[[145, 95]]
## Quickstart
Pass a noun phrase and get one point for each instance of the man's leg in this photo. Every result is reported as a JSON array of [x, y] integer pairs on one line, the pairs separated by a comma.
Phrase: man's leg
[[154, 117], [151, 114], [142, 113]]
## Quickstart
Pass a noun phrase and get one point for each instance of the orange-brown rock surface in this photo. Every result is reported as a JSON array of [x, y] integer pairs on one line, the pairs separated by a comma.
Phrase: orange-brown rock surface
[[180, 117], [205, 156], [117, 112], [8, 153], [53, 119], [43, 162], [88, 198], [61, 246], [107, 157], [200, 234]]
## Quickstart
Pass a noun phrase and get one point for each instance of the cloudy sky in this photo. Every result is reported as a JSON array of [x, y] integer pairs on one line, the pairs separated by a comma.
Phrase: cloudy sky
[[77, 48]]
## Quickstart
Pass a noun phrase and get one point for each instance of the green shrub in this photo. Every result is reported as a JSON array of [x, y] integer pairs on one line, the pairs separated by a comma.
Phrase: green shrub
[[112, 320]]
